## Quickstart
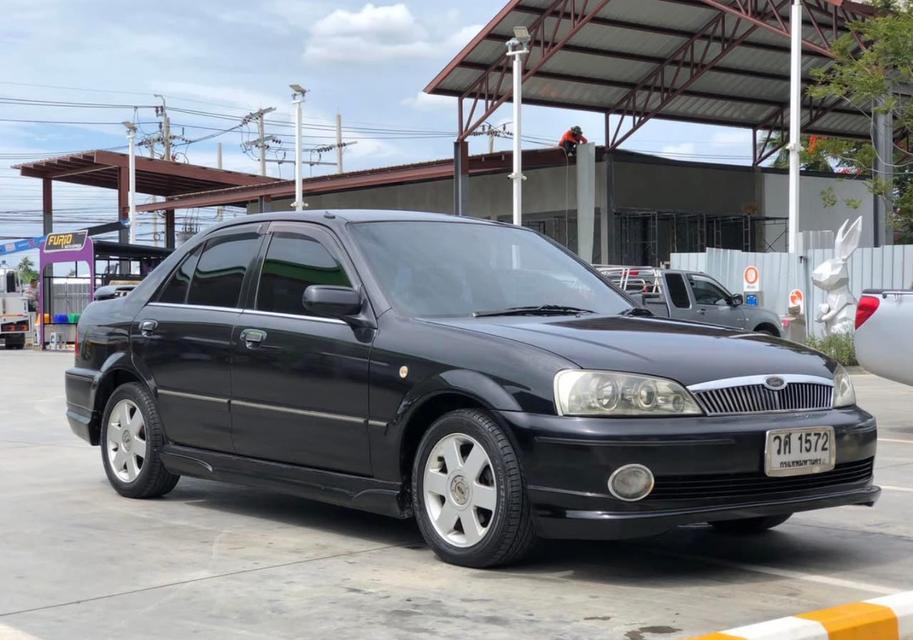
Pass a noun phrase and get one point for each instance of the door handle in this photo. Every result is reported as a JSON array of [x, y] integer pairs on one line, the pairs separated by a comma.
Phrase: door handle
[[147, 327], [702, 311], [253, 337]]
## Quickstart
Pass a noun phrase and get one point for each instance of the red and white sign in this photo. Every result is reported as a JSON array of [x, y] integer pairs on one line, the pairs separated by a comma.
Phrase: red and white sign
[[751, 279], [797, 300]]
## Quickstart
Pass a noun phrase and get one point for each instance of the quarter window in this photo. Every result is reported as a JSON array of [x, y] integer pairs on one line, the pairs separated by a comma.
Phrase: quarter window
[[678, 292], [292, 264], [220, 270], [175, 291]]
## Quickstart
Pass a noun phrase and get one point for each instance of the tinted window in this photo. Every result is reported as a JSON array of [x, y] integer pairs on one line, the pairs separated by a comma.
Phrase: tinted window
[[220, 271], [175, 290], [454, 268], [292, 264], [706, 291], [678, 292]]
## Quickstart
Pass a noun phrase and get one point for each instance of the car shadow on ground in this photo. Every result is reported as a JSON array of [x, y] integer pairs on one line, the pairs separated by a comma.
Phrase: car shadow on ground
[[678, 557]]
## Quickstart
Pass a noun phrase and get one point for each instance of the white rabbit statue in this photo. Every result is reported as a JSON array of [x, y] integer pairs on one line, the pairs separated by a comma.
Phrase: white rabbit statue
[[839, 312]]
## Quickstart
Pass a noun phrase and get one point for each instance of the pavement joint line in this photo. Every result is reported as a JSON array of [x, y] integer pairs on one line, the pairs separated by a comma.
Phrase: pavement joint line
[[885, 618], [784, 573], [900, 440], [178, 583], [864, 531]]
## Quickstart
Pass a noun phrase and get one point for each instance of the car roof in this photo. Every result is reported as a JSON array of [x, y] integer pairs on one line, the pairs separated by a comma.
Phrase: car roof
[[337, 216]]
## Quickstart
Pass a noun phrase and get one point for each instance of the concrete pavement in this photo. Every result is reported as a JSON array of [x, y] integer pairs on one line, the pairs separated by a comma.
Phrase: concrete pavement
[[219, 561]]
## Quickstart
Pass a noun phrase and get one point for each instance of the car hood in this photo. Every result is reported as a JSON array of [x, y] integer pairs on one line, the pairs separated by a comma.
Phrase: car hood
[[687, 352]]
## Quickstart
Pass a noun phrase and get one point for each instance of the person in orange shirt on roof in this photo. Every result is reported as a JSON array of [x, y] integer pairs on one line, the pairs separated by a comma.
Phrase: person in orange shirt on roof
[[571, 138]]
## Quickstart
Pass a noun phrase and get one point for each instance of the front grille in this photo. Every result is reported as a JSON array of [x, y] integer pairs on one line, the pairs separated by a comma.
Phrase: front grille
[[757, 398], [738, 486]]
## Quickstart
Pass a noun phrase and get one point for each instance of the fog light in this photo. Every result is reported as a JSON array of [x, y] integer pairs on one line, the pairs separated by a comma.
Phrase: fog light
[[631, 482]]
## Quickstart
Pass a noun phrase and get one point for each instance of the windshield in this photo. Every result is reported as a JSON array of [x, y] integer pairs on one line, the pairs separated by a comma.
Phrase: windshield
[[456, 269]]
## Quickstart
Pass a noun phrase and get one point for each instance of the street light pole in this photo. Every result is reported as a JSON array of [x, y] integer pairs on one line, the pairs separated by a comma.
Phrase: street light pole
[[298, 93], [516, 49], [795, 122], [131, 139]]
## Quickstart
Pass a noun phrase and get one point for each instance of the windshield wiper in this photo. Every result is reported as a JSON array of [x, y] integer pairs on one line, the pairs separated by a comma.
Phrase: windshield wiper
[[533, 310], [638, 312]]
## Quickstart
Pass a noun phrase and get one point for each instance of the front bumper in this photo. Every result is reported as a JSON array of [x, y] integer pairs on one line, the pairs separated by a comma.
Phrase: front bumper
[[706, 469]]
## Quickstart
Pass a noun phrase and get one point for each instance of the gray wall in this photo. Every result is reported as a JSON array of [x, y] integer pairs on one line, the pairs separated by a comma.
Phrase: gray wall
[[813, 214]]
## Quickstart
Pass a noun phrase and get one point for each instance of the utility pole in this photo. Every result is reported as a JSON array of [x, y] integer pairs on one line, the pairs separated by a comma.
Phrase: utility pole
[[263, 140], [219, 210], [166, 126], [339, 145], [516, 49], [795, 124], [298, 93], [131, 138]]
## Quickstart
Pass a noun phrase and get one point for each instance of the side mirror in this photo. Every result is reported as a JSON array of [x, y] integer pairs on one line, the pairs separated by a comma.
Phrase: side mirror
[[737, 300], [331, 302]]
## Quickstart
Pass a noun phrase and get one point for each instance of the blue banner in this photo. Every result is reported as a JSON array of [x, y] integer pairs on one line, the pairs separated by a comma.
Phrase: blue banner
[[15, 246]]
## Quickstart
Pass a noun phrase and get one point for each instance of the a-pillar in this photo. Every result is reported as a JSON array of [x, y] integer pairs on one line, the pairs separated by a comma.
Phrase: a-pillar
[[460, 178], [169, 229]]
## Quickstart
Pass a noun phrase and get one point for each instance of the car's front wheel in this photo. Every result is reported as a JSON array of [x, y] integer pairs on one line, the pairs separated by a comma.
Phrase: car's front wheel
[[747, 526], [131, 438], [468, 492]]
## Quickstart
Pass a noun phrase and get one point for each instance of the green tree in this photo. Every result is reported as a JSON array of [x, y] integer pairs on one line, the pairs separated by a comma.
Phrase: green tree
[[876, 78], [27, 271]]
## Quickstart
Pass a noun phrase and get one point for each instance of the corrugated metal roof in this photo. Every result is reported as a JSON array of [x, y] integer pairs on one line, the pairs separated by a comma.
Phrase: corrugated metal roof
[[622, 46]]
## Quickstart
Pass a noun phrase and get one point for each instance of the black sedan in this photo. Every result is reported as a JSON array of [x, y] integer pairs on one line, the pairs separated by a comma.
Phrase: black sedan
[[473, 375]]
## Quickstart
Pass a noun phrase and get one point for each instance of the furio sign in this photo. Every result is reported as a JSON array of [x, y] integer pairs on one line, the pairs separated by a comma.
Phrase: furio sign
[[69, 241], [751, 279]]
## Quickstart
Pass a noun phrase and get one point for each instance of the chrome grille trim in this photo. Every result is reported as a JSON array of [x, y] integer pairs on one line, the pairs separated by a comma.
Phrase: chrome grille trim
[[751, 395]]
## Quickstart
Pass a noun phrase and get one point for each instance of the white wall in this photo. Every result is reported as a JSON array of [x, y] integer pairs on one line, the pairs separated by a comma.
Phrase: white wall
[[813, 214]]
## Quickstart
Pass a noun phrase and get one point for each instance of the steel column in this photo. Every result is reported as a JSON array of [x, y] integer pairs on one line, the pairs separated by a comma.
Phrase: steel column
[[460, 178], [47, 206]]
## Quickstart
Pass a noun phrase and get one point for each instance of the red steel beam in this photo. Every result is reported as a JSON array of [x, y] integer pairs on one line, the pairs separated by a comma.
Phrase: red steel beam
[[686, 65], [542, 47]]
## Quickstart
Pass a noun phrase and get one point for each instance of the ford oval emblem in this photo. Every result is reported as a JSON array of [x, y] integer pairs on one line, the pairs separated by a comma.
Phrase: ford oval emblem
[[775, 382]]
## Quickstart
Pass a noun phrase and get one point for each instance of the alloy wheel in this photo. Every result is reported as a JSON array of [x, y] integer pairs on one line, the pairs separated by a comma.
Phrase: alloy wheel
[[126, 440], [460, 493]]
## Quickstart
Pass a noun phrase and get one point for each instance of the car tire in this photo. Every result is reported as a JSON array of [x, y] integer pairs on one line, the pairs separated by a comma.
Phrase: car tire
[[767, 331], [130, 441], [482, 486], [749, 526]]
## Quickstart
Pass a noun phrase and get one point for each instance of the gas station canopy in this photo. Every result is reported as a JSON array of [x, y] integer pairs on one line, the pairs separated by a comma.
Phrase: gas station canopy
[[723, 62]]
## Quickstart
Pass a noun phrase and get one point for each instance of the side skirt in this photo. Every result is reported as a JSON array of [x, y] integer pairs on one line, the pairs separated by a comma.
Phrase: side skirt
[[367, 494]]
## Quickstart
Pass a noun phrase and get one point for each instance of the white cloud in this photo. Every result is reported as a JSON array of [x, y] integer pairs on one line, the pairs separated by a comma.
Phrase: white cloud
[[378, 34], [426, 102]]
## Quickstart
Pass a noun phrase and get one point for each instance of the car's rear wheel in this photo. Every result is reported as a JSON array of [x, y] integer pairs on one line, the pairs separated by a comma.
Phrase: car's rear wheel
[[751, 525], [131, 438], [469, 494], [767, 330]]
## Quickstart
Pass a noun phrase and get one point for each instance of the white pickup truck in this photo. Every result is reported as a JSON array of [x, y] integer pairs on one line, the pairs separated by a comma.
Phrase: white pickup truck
[[884, 333]]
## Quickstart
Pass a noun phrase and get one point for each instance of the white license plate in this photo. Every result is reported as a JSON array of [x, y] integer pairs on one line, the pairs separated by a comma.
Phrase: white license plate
[[799, 452]]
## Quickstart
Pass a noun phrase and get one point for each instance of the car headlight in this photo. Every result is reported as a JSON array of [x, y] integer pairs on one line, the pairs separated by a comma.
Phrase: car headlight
[[607, 393], [844, 393]]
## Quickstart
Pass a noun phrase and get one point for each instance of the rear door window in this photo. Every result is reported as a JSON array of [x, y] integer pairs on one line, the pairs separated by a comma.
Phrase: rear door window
[[220, 270], [293, 263]]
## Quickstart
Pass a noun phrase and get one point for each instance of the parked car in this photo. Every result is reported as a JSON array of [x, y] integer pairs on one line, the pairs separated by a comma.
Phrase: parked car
[[691, 295], [470, 374], [884, 333]]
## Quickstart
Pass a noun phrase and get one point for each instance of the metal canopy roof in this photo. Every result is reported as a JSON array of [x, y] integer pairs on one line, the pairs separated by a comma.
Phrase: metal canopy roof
[[722, 62], [153, 176]]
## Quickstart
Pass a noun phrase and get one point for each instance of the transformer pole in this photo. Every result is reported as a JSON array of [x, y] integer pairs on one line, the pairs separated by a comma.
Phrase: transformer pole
[[516, 49]]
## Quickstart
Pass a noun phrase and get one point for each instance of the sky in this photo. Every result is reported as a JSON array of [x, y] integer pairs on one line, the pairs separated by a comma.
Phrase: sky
[[100, 62]]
